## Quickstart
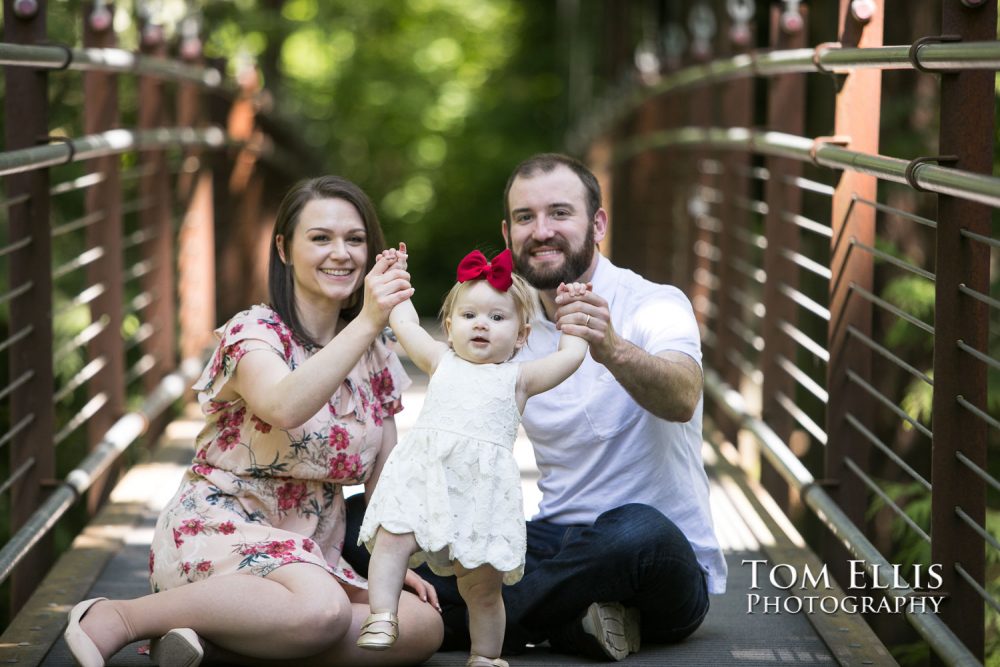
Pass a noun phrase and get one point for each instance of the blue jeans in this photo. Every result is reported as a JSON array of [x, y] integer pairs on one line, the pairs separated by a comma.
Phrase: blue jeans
[[632, 554]]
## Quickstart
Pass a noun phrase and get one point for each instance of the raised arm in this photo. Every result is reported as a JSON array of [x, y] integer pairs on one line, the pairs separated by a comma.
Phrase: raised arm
[[543, 374], [286, 399], [667, 384], [421, 347]]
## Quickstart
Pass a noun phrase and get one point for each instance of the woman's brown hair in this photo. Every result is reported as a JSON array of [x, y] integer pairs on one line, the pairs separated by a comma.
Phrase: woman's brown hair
[[281, 279]]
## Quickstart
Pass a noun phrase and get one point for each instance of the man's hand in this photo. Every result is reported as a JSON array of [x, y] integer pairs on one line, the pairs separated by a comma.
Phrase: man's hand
[[667, 384], [586, 315]]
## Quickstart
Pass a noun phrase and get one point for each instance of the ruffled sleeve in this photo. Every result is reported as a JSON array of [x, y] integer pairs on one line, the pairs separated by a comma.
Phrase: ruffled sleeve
[[257, 328], [389, 379], [375, 387]]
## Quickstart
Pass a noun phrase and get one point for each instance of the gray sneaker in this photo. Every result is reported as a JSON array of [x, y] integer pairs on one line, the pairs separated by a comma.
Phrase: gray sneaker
[[615, 628]]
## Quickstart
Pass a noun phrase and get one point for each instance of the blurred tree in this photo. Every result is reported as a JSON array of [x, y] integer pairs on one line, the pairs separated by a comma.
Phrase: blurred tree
[[427, 104]]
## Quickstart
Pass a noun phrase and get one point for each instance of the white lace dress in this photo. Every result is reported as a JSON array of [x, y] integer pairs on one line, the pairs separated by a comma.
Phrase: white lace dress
[[452, 480]]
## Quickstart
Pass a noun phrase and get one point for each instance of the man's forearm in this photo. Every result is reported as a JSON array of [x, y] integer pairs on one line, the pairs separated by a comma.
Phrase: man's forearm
[[668, 385]]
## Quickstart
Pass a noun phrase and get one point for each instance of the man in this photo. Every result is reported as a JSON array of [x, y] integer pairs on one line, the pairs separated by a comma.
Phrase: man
[[622, 546], [624, 527]]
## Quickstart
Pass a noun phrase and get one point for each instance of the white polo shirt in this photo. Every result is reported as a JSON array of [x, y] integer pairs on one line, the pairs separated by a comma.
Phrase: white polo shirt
[[595, 447]]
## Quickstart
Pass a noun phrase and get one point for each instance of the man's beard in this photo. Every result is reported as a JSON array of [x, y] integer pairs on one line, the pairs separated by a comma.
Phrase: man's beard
[[575, 262]]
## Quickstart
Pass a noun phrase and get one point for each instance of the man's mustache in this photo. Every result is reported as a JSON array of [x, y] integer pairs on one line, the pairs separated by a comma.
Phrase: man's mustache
[[557, 243]]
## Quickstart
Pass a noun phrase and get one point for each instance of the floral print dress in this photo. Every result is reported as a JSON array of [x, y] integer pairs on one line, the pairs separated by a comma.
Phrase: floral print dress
[[257, 497]]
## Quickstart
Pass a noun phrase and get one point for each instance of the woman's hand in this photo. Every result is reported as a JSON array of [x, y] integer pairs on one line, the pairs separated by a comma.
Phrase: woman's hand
[[386, 285], [421, 588], [397, 258]]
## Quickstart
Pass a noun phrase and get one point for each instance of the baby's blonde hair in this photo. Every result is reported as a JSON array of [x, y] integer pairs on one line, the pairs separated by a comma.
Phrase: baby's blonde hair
[[524, 295]]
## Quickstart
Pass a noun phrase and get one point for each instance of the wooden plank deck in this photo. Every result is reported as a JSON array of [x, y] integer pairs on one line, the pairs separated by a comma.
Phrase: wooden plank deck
[[110, 559]]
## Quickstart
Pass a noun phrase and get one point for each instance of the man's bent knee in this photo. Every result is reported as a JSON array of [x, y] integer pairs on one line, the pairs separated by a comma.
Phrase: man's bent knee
[[630, 528]]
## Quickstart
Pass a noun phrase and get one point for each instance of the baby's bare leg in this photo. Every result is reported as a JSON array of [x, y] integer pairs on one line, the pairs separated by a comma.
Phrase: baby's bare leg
[[388, 568], [480, 588]]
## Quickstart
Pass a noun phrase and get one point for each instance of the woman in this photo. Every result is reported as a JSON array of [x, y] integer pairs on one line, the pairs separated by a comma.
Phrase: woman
[[299, 399]]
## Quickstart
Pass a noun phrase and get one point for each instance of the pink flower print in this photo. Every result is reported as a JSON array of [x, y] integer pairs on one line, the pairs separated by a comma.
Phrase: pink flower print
[[248, 549], [233, 419], [186, 567], [343, 466], [382, 384], [228, 439], [282, 333], [227, 528], [308, 544], [152, 561], [192, 526], [237, 418], [202, 453], [204, 566], [377, 412], [290, 495], [216, 362], [279, 548], [339, 437], [259, 424], [347, 573], [236, 329], [177, 539], [200, 469]]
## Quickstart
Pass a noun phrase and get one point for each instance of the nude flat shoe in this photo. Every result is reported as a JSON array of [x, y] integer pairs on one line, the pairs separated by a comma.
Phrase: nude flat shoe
[[479, 661], [81, 646], [180, 647], [379, 640]]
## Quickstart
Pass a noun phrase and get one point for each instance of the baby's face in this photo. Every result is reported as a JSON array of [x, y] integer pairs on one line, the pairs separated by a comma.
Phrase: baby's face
[[484, 326]]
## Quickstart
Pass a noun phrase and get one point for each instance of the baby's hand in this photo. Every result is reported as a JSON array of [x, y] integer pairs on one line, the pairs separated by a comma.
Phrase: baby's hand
[[573, 291], [397, 258]]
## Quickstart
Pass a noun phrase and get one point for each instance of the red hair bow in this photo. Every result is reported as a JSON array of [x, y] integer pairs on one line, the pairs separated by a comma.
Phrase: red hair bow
[[497, 272]]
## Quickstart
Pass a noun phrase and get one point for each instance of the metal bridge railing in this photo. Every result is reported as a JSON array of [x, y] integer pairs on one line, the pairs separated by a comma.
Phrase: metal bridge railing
[[108, 263], [847, 325]]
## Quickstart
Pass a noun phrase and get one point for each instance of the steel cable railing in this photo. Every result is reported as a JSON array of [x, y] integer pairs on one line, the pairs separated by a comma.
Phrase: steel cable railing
[[933, 178], [825, 59], [94, 320], [799, 478], [112, 60], [834, 333]]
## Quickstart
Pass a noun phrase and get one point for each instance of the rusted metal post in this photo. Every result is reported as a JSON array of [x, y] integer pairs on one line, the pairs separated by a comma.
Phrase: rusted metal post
[[857, 116], [155, 189], [243, 262], [598, 159], [736, 110], [196, 240], [785, 113], [32, 454], [100, 109], [966, 131], [646, 240], [697, 275], [616, 60], [218, 107]]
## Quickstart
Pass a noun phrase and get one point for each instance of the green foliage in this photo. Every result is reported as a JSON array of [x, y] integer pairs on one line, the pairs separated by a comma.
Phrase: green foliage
[[914, 295], [911, 549], [918, 401], [427, 104]]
